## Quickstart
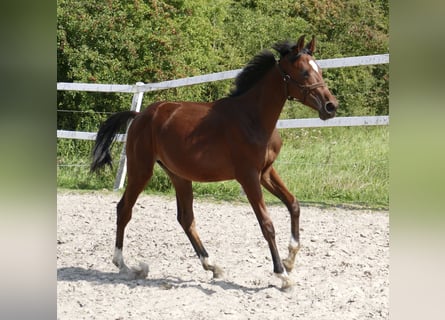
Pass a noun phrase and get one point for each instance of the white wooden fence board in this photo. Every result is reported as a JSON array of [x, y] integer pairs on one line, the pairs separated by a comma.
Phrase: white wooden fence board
[[334, 122], [354, 61], [82, 135], [96, 87], [281, 124]]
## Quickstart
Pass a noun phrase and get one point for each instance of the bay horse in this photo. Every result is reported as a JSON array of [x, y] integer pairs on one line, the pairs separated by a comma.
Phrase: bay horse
[[231, 138]]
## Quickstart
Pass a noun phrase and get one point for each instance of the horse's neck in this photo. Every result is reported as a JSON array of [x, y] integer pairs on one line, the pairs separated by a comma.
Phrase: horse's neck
[[269, 96]]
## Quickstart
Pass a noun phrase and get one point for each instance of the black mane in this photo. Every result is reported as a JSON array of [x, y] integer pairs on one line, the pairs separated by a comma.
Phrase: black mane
[[260, 64], [252, 72]]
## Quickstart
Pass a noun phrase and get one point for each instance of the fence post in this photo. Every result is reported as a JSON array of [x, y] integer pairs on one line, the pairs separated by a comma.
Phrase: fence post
[[122, 169]]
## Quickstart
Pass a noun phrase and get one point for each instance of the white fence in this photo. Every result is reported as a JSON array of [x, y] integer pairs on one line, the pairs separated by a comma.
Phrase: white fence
[[139, 88]]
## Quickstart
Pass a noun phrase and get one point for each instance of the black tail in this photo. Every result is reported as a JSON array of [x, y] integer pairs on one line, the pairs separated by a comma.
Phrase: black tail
[[105, 137]]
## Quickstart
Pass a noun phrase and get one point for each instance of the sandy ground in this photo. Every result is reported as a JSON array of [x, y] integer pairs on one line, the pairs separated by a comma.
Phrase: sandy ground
[[342, 270]]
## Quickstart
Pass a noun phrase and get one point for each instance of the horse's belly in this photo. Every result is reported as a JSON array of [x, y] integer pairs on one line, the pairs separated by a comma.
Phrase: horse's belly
[[196, 166], [198, 169]]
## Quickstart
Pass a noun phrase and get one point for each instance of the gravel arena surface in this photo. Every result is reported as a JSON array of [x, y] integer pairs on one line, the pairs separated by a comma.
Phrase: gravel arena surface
[[341, 271]]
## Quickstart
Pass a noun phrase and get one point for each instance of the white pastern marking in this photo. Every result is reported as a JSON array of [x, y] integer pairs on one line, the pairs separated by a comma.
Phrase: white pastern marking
[[293, 243], [313, 65], [118, 258], [282, 276], [205, 261]]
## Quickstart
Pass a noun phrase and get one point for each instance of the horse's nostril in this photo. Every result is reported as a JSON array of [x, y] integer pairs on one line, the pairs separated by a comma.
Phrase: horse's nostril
[[330, 108]]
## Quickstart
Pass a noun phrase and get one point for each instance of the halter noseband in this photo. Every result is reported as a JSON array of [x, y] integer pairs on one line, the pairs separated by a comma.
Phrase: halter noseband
[[305, 89]]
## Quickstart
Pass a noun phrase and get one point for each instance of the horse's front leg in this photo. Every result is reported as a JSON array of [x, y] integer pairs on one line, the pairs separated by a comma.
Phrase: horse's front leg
[[272, 182], [186, 218], [253, 191]]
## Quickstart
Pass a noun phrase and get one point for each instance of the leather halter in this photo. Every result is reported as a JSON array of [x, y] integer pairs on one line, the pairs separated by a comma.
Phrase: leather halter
[[305, 89]]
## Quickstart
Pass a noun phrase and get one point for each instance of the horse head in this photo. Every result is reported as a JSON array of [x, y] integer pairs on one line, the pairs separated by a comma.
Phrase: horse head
[[303, 77]]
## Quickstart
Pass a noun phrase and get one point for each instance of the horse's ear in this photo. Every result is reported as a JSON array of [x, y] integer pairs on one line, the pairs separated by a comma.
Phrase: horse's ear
[[311, 45], [300, 44]]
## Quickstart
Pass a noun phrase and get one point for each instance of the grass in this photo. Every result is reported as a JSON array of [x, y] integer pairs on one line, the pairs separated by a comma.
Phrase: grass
[[347, 165], [333, 166]]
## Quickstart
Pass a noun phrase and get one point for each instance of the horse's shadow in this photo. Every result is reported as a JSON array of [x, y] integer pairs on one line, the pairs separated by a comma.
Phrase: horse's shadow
[[99, 277]]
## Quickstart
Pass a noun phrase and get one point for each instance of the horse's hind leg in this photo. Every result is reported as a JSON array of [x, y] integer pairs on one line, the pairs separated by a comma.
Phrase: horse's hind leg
[[184, 201], [136, 181], [272, 182]]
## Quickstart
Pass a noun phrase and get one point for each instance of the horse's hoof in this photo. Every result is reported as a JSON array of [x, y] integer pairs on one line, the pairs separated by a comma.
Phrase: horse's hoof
[[287, 283], [287, 287], [140, 272], [218, 273]]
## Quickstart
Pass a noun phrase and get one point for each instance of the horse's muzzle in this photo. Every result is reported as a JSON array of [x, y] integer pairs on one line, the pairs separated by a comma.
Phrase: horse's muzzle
[[330, 108]]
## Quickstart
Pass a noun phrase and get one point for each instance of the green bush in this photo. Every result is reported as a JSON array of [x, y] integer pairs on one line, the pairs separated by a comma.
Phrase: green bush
[[124, 42]]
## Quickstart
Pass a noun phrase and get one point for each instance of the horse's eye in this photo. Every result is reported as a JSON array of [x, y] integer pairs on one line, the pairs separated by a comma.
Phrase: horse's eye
[[306, 74]]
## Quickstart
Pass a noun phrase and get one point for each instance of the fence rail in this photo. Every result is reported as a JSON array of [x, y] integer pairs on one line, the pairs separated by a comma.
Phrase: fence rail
[[281, 124], [139, 88]]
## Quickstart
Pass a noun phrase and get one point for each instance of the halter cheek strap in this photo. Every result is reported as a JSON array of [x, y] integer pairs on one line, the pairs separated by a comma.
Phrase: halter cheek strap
[[305, 89]]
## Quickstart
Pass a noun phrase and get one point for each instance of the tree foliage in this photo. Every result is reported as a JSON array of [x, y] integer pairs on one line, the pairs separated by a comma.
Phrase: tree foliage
[[124, 42]]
